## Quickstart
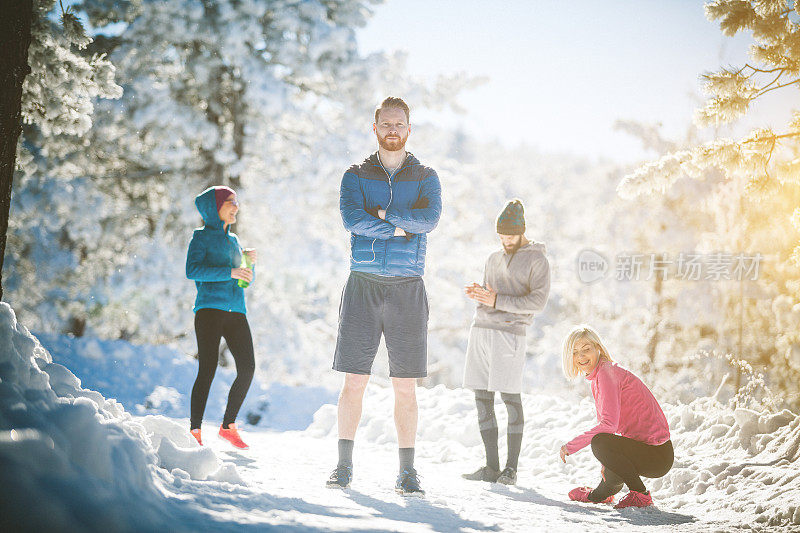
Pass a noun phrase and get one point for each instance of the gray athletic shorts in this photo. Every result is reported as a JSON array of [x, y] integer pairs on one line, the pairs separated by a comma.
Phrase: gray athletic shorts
[[397, 307], [495, 361]]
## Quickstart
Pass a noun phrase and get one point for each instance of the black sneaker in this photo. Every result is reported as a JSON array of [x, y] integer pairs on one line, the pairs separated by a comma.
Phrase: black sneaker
[[484, 473], [408, 484], [340, 478], [508, 476]]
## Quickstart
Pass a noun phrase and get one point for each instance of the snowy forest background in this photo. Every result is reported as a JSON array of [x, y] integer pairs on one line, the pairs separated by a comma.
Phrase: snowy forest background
[[128, 119]]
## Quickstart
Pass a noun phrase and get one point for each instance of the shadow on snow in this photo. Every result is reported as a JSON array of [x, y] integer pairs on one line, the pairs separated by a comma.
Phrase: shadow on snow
[[420, 510], [651, 516]]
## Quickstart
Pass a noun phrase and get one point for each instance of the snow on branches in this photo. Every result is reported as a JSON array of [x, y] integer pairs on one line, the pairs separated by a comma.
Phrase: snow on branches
[[58, 93], [764, 159], [753, 182]]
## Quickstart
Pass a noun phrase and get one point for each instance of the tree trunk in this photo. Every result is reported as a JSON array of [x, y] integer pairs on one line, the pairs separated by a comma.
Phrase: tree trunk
[[655, 326], [16, 18]]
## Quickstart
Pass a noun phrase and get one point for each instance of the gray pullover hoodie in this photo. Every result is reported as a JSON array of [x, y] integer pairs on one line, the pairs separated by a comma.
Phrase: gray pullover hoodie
[[522, 282]]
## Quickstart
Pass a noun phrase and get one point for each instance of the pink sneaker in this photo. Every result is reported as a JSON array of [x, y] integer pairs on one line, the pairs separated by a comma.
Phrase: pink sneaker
[[581, 494], [196, 434], [635, 499], [232, 435]]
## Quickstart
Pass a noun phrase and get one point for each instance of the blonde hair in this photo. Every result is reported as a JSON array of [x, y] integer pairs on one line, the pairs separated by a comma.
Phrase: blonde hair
[[582, 331]]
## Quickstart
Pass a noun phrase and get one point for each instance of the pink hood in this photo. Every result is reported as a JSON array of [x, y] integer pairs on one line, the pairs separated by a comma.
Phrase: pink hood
[[625, 406]]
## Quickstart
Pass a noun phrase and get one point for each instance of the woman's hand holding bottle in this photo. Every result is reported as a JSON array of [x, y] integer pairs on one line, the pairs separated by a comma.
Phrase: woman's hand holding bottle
[[245, 271]]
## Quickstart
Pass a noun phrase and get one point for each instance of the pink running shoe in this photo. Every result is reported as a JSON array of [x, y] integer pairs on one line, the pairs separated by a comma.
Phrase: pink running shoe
[[196, 434], [581, 494], [635, 499], [232, 435]]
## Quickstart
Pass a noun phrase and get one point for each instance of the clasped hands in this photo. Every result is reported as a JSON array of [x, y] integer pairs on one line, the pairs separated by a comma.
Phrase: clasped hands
[[486, 296]]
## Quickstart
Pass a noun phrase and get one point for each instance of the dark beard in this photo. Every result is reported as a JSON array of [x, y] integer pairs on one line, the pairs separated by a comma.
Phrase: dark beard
[[393, 145], [511, 250]]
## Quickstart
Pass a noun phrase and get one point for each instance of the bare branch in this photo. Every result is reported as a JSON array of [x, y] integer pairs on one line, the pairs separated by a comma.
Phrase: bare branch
[[773, 81], [772, 138], [769, 156], [761, 70], [776, 87]]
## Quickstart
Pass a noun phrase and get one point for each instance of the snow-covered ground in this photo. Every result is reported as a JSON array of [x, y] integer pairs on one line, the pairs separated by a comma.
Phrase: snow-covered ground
[[73, 459]]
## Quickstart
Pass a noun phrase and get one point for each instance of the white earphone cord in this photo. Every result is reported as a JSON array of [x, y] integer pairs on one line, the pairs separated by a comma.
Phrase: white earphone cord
[[372, 247]]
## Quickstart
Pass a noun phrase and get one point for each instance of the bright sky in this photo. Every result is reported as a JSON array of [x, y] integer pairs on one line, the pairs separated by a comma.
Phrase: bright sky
[[561, 72]]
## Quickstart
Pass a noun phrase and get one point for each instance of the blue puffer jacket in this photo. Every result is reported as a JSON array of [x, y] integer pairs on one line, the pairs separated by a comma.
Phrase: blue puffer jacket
[[413, 202], [213, 252]]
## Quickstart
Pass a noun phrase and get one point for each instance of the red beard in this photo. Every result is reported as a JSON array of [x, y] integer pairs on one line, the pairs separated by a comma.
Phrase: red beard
[[392, 145]]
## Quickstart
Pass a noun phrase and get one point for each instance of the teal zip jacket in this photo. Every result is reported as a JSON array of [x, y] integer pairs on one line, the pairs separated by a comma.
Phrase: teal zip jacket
[[213, 252]]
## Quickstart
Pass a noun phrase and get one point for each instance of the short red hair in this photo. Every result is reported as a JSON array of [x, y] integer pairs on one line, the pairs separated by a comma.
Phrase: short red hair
[[393, 102]]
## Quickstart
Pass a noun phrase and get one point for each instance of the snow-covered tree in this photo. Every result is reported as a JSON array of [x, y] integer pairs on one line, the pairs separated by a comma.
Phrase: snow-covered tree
[[56, 105], [272, 98], [209, 87], [47, 82], [766, 161], [754, 206]]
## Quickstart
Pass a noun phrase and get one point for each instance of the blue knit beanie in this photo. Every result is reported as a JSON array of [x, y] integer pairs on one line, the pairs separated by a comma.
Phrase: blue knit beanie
[[512, 219]]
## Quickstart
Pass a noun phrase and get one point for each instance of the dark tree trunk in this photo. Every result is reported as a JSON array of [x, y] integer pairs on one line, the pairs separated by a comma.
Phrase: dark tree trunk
[[16, 17]]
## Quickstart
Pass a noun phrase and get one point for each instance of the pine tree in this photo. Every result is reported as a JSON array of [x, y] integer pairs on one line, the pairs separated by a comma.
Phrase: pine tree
[[57, 103], [47, 84], [764, 160], [755, 205], [268, 97]]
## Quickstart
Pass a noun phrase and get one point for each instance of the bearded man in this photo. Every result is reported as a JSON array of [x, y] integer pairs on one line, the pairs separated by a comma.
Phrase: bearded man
[[516, 283], [388, 203]]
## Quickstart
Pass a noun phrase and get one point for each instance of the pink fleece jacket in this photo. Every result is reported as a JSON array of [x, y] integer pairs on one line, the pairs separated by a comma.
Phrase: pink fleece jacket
[[625, 406]]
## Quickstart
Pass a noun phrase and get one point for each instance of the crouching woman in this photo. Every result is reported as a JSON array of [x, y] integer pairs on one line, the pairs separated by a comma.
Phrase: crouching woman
[[631, 439]]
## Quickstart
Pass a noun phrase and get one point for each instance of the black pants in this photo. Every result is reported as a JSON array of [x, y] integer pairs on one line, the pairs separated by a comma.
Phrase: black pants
[[624, 460], [210, 325]]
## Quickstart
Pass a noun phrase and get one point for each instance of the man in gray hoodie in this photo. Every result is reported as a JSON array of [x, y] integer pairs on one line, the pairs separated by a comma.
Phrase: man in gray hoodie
[[516, 283]]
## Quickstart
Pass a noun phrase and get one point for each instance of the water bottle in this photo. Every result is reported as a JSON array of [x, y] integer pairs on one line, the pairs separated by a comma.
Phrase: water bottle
[[245, 264]]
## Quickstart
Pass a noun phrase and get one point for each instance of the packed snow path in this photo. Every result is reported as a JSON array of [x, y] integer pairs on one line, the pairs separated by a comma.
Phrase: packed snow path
[[285, 474]]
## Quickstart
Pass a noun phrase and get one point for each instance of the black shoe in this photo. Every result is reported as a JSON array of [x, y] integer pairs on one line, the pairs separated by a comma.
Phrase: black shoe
[[484, 473], [340, 478], [408, 484], [508, 476]]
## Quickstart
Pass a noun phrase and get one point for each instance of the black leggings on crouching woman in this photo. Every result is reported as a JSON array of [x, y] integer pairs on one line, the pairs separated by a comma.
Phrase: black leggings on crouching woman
[[210, 325], [624, 460]]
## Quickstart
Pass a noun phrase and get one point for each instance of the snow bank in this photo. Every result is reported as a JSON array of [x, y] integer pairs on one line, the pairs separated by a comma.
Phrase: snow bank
[[72, 460], [737, 461], [731, 463], [198, 463], [178, 451]]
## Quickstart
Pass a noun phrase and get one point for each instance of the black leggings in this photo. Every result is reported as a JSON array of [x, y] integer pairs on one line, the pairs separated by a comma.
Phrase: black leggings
[[210, 325], [624, 460]]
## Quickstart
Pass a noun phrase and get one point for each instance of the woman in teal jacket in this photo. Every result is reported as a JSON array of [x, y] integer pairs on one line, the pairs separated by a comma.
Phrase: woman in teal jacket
[[213, 262]]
